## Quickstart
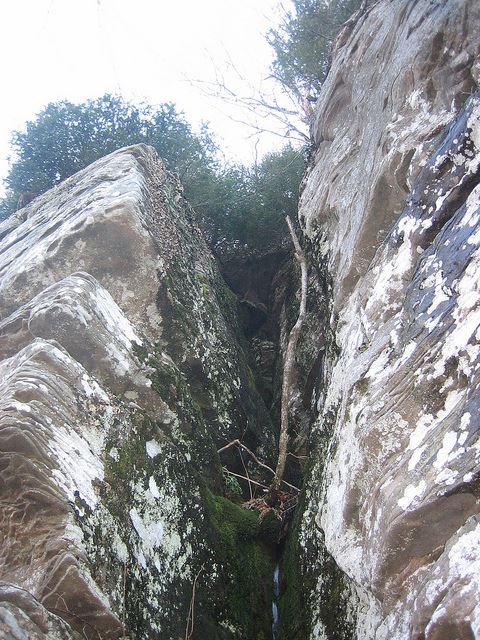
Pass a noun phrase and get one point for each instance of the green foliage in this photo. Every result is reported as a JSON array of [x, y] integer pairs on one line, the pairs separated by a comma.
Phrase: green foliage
[[247, 206], [238, 205], [66, 137], [234, 490], [302, 43]]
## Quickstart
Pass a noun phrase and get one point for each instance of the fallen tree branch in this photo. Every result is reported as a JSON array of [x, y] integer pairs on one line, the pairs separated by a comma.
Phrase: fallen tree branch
[[259, 462]]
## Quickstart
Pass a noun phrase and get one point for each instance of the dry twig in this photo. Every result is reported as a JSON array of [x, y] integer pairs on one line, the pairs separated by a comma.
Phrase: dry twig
[[259, 462], [191, 611], [237, 475]]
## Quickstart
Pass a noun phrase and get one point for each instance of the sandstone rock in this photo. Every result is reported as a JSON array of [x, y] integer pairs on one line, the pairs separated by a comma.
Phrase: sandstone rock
[[391, 205], [401, 77], [24, 618], [120, 376]]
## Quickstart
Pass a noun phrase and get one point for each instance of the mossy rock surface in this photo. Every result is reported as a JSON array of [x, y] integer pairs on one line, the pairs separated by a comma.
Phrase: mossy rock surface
[[245, 569]]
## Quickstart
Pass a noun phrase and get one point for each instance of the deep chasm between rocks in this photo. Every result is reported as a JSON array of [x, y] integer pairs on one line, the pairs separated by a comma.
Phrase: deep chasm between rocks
[[130, 356]]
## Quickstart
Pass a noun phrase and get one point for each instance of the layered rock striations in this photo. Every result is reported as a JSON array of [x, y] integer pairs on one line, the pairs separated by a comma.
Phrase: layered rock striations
[[389, 539], [121, 375], [123, 371]]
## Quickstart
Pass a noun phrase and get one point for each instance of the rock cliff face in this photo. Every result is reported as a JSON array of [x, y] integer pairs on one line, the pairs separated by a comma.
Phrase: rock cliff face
[[389, 539], [121, 375], [123, 370]]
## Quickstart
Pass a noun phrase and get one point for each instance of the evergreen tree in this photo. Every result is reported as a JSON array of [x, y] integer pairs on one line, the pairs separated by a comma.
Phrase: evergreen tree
[[247, 205], [66, 137], [303, 42], [236, 204]]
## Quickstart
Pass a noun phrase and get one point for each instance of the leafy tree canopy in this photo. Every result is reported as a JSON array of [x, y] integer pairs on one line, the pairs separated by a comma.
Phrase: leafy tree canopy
[[66, 137], [248, 205], [303, 41], [237, 204]]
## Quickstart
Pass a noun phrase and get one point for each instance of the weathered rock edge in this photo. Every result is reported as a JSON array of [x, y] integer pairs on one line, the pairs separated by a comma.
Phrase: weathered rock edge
[[121, 375]]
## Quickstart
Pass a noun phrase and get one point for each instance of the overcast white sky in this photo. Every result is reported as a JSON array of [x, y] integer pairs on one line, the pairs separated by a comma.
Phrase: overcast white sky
[[144, 49]]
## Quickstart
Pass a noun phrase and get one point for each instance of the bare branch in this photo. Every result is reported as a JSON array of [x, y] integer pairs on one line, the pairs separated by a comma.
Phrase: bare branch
[[297, 457], [288, 367], [285, 108], [237, 475], [259, 462]]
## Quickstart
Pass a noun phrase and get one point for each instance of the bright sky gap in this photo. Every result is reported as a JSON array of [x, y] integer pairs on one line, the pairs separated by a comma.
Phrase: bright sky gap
[[148, 50]]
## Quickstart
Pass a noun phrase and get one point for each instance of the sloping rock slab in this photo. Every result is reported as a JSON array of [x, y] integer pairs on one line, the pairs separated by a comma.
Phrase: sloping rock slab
[[120, 376], [392, 206]]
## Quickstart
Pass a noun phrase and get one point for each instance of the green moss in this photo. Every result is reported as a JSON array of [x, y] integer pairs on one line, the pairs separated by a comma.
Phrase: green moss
[[228, 303], [298, 585], [204, 284], [300, 595], [130, 454], [245, 565]]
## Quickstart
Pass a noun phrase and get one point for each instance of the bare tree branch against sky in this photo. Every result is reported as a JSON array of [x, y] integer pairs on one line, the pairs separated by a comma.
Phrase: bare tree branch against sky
[[147, 51]]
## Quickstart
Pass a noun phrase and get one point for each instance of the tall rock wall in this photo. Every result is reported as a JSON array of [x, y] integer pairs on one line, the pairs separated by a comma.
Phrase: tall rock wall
[[389, 540], [121, 375]]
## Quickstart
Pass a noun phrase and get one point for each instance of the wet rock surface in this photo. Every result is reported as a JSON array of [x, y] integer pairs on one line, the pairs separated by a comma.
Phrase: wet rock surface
[[389, 537], [121, 375]]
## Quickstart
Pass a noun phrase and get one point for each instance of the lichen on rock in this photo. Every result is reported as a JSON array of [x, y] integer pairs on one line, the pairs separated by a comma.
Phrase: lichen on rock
[[391, 208], [121, 376]]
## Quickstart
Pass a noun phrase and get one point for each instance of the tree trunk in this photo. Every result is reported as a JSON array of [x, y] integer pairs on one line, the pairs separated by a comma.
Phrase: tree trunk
[[288, 368]]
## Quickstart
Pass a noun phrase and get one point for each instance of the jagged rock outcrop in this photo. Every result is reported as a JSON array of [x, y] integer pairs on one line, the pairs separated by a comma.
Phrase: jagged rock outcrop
[[389, 540], [121, 375]]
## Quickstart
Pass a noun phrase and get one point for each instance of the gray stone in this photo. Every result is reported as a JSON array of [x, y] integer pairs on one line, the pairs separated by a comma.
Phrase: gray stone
[[391, 205], [121, 375]]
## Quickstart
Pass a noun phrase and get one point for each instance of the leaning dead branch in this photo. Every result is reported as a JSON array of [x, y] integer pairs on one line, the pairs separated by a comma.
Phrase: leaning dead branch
[[288, 368]]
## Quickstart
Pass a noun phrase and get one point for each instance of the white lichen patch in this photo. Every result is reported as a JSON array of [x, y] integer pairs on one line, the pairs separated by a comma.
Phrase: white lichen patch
[[416, 123], [462, 582], [411, 494], [428, 422], [92, 388], [153, 448], [149, 530], [446, 477], [448, 443], [466, 316], [152, 485], [388, 274], [117, 323]]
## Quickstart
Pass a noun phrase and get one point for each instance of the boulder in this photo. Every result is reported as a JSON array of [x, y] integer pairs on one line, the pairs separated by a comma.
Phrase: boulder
[[121, 375], [391, 211]]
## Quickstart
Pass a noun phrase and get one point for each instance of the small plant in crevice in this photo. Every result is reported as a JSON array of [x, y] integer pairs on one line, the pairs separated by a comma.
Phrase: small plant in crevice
[[232, 486], [273, 519]]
